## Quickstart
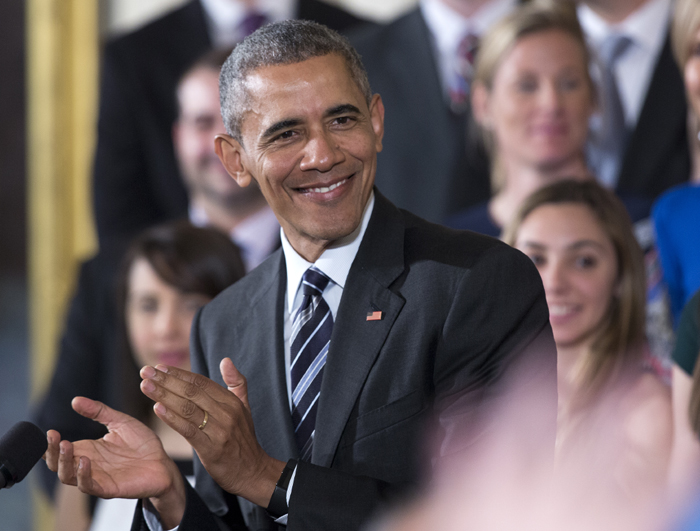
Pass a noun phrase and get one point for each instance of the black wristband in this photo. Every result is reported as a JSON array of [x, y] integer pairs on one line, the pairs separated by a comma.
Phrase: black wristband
[[278, 502]]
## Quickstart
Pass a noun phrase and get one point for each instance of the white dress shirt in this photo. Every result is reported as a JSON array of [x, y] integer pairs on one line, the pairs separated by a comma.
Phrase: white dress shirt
[[225, 16], [647, 28], [448, 27]]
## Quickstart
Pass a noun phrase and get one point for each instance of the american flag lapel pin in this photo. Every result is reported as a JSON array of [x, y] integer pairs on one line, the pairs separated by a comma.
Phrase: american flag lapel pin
[[375, 315]]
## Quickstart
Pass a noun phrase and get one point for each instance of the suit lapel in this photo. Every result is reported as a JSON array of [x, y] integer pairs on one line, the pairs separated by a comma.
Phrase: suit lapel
[[662, 117], [356, 342], [262, 360]]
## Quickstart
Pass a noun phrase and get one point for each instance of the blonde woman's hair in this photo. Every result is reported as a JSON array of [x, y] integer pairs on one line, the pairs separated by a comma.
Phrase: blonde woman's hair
[[534, 17], [686, 21], [618, 343]]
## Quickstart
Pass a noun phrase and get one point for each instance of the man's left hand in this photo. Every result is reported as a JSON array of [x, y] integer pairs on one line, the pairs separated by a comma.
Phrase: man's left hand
[[226, 442]]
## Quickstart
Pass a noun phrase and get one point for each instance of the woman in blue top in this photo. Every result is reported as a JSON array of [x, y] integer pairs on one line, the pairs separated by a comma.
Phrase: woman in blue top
[[677, 213]]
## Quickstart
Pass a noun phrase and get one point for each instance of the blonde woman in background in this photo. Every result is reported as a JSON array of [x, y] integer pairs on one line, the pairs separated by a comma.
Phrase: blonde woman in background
[[532, 97]]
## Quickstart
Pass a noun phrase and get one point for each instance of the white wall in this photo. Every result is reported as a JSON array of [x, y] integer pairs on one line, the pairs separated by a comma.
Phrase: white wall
[[381, 10], [125, 15]]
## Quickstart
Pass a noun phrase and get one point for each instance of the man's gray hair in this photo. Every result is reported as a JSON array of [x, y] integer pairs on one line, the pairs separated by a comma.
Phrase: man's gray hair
[[280, 43]]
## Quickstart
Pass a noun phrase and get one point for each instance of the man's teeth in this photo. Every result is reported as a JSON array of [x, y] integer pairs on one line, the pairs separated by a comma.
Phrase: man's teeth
[[326, 189], [560, 310]]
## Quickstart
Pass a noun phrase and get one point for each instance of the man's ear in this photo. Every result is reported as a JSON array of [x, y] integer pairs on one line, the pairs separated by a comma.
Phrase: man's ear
[[376, 114], [230, 151], [481, 108]]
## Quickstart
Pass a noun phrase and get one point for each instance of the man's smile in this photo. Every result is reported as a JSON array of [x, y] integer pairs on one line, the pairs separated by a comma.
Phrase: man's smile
[[325, 189]]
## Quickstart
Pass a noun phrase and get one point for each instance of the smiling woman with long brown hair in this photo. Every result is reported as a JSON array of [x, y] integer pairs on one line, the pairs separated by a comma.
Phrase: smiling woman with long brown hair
[[580, 238]]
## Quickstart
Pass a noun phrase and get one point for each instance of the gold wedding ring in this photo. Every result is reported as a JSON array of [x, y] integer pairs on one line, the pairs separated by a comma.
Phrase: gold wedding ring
[[204, 422]]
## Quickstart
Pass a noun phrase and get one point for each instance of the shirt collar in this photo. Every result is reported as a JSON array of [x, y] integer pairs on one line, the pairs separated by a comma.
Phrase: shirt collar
[[449, 27], [647, 27], [334, 262]]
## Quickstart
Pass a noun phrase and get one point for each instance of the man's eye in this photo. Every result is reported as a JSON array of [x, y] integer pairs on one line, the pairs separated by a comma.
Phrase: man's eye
[[343, 120], [286, 135]]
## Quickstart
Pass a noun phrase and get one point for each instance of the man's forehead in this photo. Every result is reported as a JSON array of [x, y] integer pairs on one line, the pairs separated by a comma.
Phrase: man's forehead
[[280, 92], [277, 77]]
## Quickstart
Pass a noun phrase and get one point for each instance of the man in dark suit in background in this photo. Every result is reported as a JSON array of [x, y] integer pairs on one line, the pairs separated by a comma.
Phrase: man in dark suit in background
[[432, 163], [136, 177], [368, 322], [639, 144], [214, 198]]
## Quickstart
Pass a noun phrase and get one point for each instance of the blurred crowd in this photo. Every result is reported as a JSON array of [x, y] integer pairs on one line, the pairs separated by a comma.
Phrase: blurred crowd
[[569, 130]]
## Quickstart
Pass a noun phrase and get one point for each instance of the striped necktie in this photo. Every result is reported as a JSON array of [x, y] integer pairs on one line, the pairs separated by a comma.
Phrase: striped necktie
[[611, 140], [311, 337]]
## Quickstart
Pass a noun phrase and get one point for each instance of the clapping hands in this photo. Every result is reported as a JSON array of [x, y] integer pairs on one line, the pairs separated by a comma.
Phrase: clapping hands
[[128, 462]]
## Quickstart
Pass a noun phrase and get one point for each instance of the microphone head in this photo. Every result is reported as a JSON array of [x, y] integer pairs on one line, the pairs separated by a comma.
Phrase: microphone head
[[20, 449]]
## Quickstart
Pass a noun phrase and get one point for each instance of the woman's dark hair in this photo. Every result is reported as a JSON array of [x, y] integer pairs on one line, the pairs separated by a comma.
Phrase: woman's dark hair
[[191, 259]]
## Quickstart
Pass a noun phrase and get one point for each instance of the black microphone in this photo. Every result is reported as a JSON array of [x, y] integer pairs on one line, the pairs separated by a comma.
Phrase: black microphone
[[20, 449]]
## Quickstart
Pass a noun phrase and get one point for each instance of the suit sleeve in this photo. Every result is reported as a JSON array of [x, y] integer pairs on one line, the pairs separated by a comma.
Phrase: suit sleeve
[[497, 350], [197, 515]]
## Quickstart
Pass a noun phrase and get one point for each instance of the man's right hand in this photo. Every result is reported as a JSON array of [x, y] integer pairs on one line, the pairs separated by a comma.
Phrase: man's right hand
[[128, 462]]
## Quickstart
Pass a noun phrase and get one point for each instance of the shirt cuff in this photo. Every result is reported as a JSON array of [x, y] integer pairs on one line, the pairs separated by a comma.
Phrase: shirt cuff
[[282, 520], [152, 518]]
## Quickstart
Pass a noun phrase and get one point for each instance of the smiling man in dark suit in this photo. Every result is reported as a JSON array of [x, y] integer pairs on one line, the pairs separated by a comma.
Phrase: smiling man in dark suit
[[366, 324], [136, 177]]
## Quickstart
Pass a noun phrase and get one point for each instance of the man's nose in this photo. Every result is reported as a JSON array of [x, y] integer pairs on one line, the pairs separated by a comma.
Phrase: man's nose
[[321, 153]]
